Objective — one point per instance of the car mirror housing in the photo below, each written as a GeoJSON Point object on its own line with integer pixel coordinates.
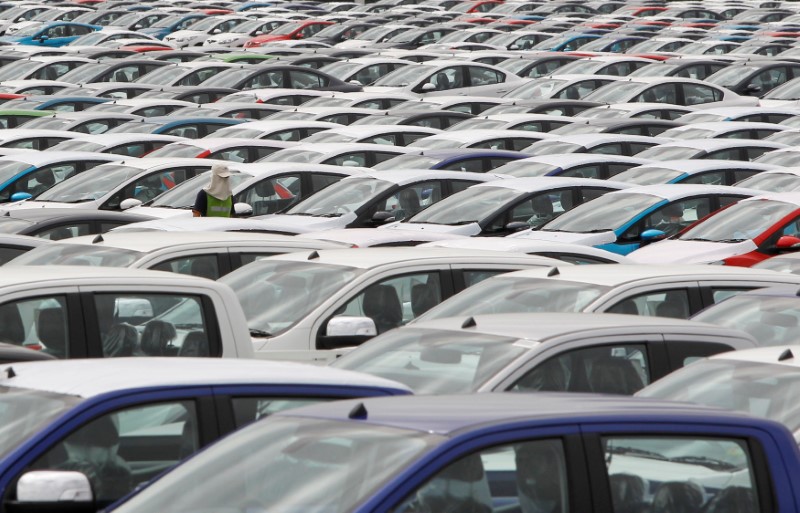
{"type": "Point", "coordinates": [652, 235]}
{"type": "Point", "coordinates": [20, 196]}
{"type": "Point", "coordinates": [129, 203]}
{"type": "Point", "coordinates": [242, 209]}
{"type": "Point", "coordinates": [787, 242]}
{"type": "Point", "coordinates": [382, 216]}
{"type": "Point", "coordinates": [53, 490]}
{"type": "Point", "coordinates": [347, 331]}
{"type": "Point", "coordinates": [428, 87]}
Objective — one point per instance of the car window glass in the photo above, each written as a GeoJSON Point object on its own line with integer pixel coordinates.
{"type": "Point", "coordinates": [413, 198]}
{"type": "Point", "coordinates": [303, 80]}
{"type": "Point", "coordinates": [389, 139]}
{"type": "Point", "coordinates": [9, 253]}
{"type": "Point", "coordinates": [204, 266]}
{"type": "Point", "coordinates": [472, 277]}
{"type": "Point", "coordinates": [40, 323]}
{"type": "Point", "coordinates": [249, 257]}
{"type": "Point", "coordinates": [664, 303]}
{"type": "Point", "coordinates": [232, 154]}
{"type": "Point", "coordinates": [695, 94]}
{"type": "Point", "coordinates": [472, 165]}
{"type": "Point", "coordinates": [587, 171]}
{"type": "Point", "coordinates": [286, 135]}
{"type": "Point", "coordinates": [152, 325]}
{"type": "Point", "coordinates": [768, 79]}
{"type": "Point", "coordinates": [265, 79]}
{"type": "Point", "coordinates": [710, 178]}
{"type": "Point", "coordinates": [662, 93]}
{"type": "Point", "coordinates": [479, 76]}
{"type": "Point", "coordinates": [618, 369]}
{"type": "Point", "coordinates": [639, 474]}
{"type": "Point", "coordinates": [677, 215]}
{"type": "Point", "coordinates": [270, 196]}
{"type": "Point", "coordinates": [529, 476]}
{"type": "Point", "coordinates": [608, 149]}
{"type": "Point", "coordinates": [396, 301]}
{"type": "Point", "coordinates": [249, 409]}
{"type": "Point", "coordinates": [124, 449]}
{"type": "Point", "coordinates": [64, 231]}
{"type": "Point", "coordinates": [447, 78]}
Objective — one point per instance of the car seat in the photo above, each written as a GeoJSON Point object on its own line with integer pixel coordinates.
{"type": "Point", "coordinates": [547, 377]}
{"type": "Point", "coordinates": [627, 493]}
{"type": "Point", "coordinates": [157, 338]}
{"type": "Point", "coordinates": [610, 375]}
{"type": "Point", "coordinates": [677, 497]}
{"type": "Point", "coordinates": [204, 268]}
{"type": "Point", "coordinates": [11, 328]}
{"type": "Point", "coordinates": [51, 327]}
{"type": "Point", "coordinates": [195, 344]}
{"type": "Point", "coordinates": [382, 305]}
{"type": "Point", "coordinates": [733, 499]}
{"type": "Point", "coordinates": [539, 477]}
{"type": "Point", "coordinates": [461, 487]}
{"type": "Point", "coordinates": [121, 340]}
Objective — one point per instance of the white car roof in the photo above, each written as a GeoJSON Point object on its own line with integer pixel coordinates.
{"type": "Point", "coordinates": [155, 163]}
{"type": "Point", "coordinates": [545, 183]}
{"type": "Point", "coordinates": [92, 377]}
{"type": "Point", "coordinates": [725, 126]}
{"type": "Point", "coordinates": [122, 138]}
{"type": "Point", "coordinates": [521, 246]}
{"type": "Point", "coordinates": [714, 144]}
{"type": "Point", "coordinates": [40, 158]}
{"type": "Point", "coordinates": [600, 138]}
{"type": "Point", "coordinates": [367, 258]}
{"type": "Point", "coordinates": [271, 125]}
{"type": "Point", "coordinates": [786, 197]}
{"type": "Point", "coordinates": [691, 166]}
{"type": "Point", "coordinates": [369, 237]}
{"type": "Point", "coordinates": [403, 176]}
{"type": "Point", "coordinates": [217, 143]}
{"type": "Point", "coordinates": [636, 107]}
{"type": "Point", "coordinates": [33, 276]}
{"type": "Point", "coordinates": [774, 355]}
{"type": "Point", "coordinates": [674, 191]}
{"type": "Point", "coordinates": [479, 134]}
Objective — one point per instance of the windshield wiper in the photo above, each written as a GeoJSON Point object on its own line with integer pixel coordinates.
{"type": "Point", "coordinates": [704, 461]}
{"type": "Point", "coordinates": [255, 332]}
{"type": "Point", "coordinates": [327, 215]}
{"type": "Point", "coordinates": [699, 239]}
{"type": "Point", "coordinates": [731, 241]}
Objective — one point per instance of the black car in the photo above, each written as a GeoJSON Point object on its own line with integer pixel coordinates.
{"type": "Point", "coordinates": [553, 107]}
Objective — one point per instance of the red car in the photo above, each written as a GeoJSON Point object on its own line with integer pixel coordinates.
{"type": "Point", "coordinates": [295, 30]}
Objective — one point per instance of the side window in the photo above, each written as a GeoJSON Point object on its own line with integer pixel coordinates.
{"type": "Point", "coordinates": [727, 154]}
{"type": "Point", "coordinates": [204, 266]}
{"type": "Point", "coordinates": [6, 255]}
{"type": "Point", "coordinates": [270, 196]}
{"type": "Point", "coordinates": [249, 409]}
{"type": "Point", "coordinates": [320, 181]}
{"type": "Point", "coordinates": [388, 139]}
{"type": "Point", "coordinates": [473, 277]}
{"type": "Point", "coordinates": [710, 178]}
{"type": "Point", "coordinates": [767, 80]}
{"type": "Point", "coordinates": [676, 216]}
{"type": "Point", "coordinates": [396, 301]}
{"type": "Point", "coordinates": [663, 303]}
{"type": "Point", "coordinates": [664, 93]}
{"type": "Point", "coordinates": [645, 483]}
{"type": "Point", "coordinates": [447, 78]}
{"type": "Point", "coordinates": [621, 369]}
{"type": "Point", "coordinates": [124, 449]}
{"type": "Point", "coordinates": [303, 80]}
{"type": "Point", "coordinates": [459, 185]}
{"type": "Point", "coordinates": [65, 231]}
{"type": "Point", "coordinates": [264, 80]}
{"type": "Point", "coordinates": [286, 135]}
{"type": "Point", "coordinates": [133, 324]}
{"type": "Point", "coordinates": [39, 323]}
{"type": "Point", "coordinates": [42, 179]}
{"type": "Point", "coordinates": [472, 165]}
{"type": "Point", "coordinates": [608, 149]}
{"type": "Point", "coordinates": [588, 171]}
{"type": "Point", "coordinates": [410, 200]}
{"type": "Point", "coordinates": [537, 210]}
{"type": "Point", "coordinates": [529, 476]}
{"type": "Point", "coordinates": [349, 159]}
{"type": "Point", "coordinates": [695, 94]}
{"type": "Point", "coordinates": [149, 187]}
{"type": "Point", "coordinates": [483, 76]}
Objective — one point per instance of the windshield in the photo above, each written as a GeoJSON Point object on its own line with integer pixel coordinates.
{"type": "Point", "coordinates": [11, 168]}
{"type": "Point", "coordinates": [24, 412]}
{"type": "Point", "coordinates": [83, 73]}
{"type": "Point", "coordinates": [778, 158]}
{"type": "Point", "coordinates": [340, 69]}
{"type": "Point", "coordinates": [48, 123]}
{"type": "Point", "coordinates": [276, 294]}
{"type": "Point", "coordinates": [407, 162]}
{"type": "Point", "coordinates": [539, 88]}
{"type": "Point", "coordinates": [329, 137]}
{"type": "Point", "coordinates": [135, 127]}
{"type": "Point", "coordinates": [228, 77]}
{"type": "Point", "coordinates": [205, 24]}
{"type": "Point", "coordinates": [11, 225]}
{"type": "Point", "coordinates": [184, 194]}
{"type": "Point", "coordinates": [742, 221]}
{"type": "Point", "coordinates": [551, 147]}
{"type": "Point", "coordinates": [669, 153]}
{"type": "Point", "coordinates": [169, 21]}
{"type": "Point", "coordinates": [286, 464]}
{"type": "Point", "coordinates": [615, 92]}
{"type": "Point", "coordinates": [689, 133]}
{"type": "Point", "coordinates": [77, 254]}
{"type": "Point", "coordinates": [293, 155]}
{"type": "Point", "coordinates": [468, 206]}
{"type": "Point", "coordinates": [607, 212]}
{"type": "Point", "coordinates": [89, 185]}
{"type": "Point", "coordinates": [772, 182]}
{"type": "Point", "coordinates": [435, 361]}
{"type": "Point", "coordinates": [654, 70]}
{"type": "Point", "coordinates": [730, 76]}
{"type": "Point", "coordinates": [177, 150]}
{"type": "Point", "coordinates": [507, 294]}
{"type": "Point", "coordinates": [345, 196]}
{"type": "Point", "coordinates": [405, 76]}
{"type": "Point", "coordinates": [771, 320]}
{"type": "Point", "coordinates": [285, 29]}
{"type": "Point", "coordinates": [165, 75]}
{"type": "Point", "coordinates": [603, 112]}
{"type": "Point", "coordinates": [438, 143]}
{"type": "Point", "coordinates": [648, 175]}
{"type": "Point", "coordinates": [514, 65]}
{"type": "Point", "coordinates": [761, 389]}
{"type": "Point", "coordinates": [522, 169]}
{"type": "Point", "coordinates": [788, 91]}
{"type": "Point", "coordinates": [18, 69]}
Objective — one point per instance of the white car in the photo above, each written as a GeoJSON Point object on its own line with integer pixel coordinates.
{"type": "Point", "coordinates": [279, 130]}
{"type": "Point", "coordinates": [301, 305]}
{"type": "Point", "coordinates": [395, 135]}
{"type": "Point", "coordinates": [340, 154]}
{"type": "Point", "coordinates": [197, 32]}
{"type": "Point", "coordinates": [707, 171]}
{"type": "Point", "coordinates": [778, 179]}
{"type": "Point", "coordinates": [637, 110]}
{"type": "Point", "coordinates": [669, 90]}
{"type": "Point", "coordinates": [238, 35]}
{"type": "Point", "coordinates": [570, 253]}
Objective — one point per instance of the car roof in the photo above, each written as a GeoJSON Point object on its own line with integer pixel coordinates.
{"type": "Point", "coordinates": [36, 215]}
{"type": "Point", "coordinates": [40, 158]}
{"type": "Point", "coordinates": [673, 191]}
{"type": "Point", "coordinates": [774, 355]}
{"type": "Point", "coordinates": [92, 377]}
{"type": "Point", "coordinates": [698, 165]}
{"type": "Point", "coordinates": [564, 160]}
{"type": "Point", "coordinates": [366, 258]}
{"type": "Point", "coordinates": [520, 245]}
{"type": "Point", "coordinates": [34, 275]}
{"type": "Point", "coordinates": [546, 183]}
{"type": "Point", "coordinates": [451, 414]}
{"type": "Point", "coordinates": [715, 144]}
{"type": "Point", "coordinates": [787, 197]}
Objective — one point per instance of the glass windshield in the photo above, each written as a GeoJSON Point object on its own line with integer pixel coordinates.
{"type": "Point", "coordinates": [89, 185]}
{"type": "Point", "coordinates": [47, 123]}
{"type": "Point", "coordinates": [438, 143]}
{"type": "Point", "coordinates": [285, 29]}
{"type": "Point", "coordinates": [276, 294]}
{"type": "Point", "coordinates": [778, 158]}
{"type": "Point", "coordinates": [404, 76]}
{"type": "Point", "coordinates": [135, 127]}
{"type": "Point", "coordinates": [788, 91]}
{"type": "Point", "coordinates": [435, 361]}
{"type": "Point", "coordinates": [184, 194]}
{"type": "Point", "coordinates": [742, 221]}
{"type": "Point", "coordinates": [654, 70]}
{"type": "Point", "coordinates": [468, 206]}
{"type": "Point", "coordinates": [615, 92]}
{"type": "Point", "coordinates": [24, 412]}
{"type": "Point", "coordinates": [342, 197]}
{"type": "Point", "coordinates": [761, 389]}
{"type": "Point", "coordinates": [607, 212]}
{"type": "Point", "coordinates": [18, 69]}
{"type": "Point", "coordinates": [669, 153]}
{"type": "Point", "coordinates": [177, 150]}
{"type": "Point", "coordinates": [771, 320]}
{"type": "Point", "coordinates": [603, 112]}
{"type": "Point", "coordinates": [292, 155]}
{"type": "Point", "coordinates": [286, 464]}
{"type": "Point", "coordinates": [505, 294]}
{"type": "Point", "coordinates": [540, 88]}
{"type": "Point", "coordinates": [772, 182]}
{"type": "Point", "coordinates": [406, 162]}
{"type": "Point", "coordinates": [729, 76]}
{"type": "Point", "coordinates": [329, 137]}
{"type": "Point", "coordinates": [164, 75]}
{"type": "Point", "coordinates": [648, 175]}
{"type": "Point", "coordinates": [9, 169]}
{"type": "Point", "coordinates": [227, 77]}
{"type": "Point", "coordinates": [522, 169]}
{"type": "Point", "coordinates": [169, 20]}
{"type": "Point", "coordinates": [340, 69]}
{"type": "Point", "coordinates": [83, 73]}
{"type": "Point", "coordinates": [77, 254]}
{"type": "Point", "coordinates": [550, 147]}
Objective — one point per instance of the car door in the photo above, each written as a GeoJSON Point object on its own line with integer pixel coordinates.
{"type": "Point", "coordinates": [678, 300]}
{"type": "Point", "coordinates": [486, 81]}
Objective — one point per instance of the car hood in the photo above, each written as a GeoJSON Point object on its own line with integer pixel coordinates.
{"type": "Point", "coordinates": [22, 205]}
{"type": "Point", "coordinates": [284, 223]}
{"type": "Point", "coordinates": [689, 252]}
{"type": "Point", "coordinates": [461, 229]}
{"type": "Point", "coordinates": [587, 239]}
{"type": "Point", "coordinates": [160, 212]}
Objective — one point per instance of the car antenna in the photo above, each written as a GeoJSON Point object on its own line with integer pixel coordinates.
{"type": "Point", "coordinates": [469, 323]}
{"type": "Point", "coordinates": [97, 239]}
{"type": "Point", "coordinates": [553, 272]}
{"type": "Point", "coordinates": [786, 355]}
{"type": "Point", "coordinates": [314, 255]}
{"type": "Point", "coordinates": [10, 372]}
{"type": "Point", "coordinates": [359, 411]}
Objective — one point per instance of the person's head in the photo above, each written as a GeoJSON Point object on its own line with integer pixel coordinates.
{"type": "Point", "coordinates": [220, 171]}
{"type": "Point", "coordinates": [220, 186]}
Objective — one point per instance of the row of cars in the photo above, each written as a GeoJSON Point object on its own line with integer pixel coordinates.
{"type": "Point", "coordinates": [560, 205]}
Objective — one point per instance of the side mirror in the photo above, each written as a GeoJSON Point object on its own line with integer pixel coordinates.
{"type": "Point", "coordinates": [43, 38]}
{"type": "Point", "coordinates": [517, 226]}
{"type": "Point", "coordinates": [129, 203]}
{"type": "Point", "coordinates": [242, 209]}
{"type": "Point", "coordinates": [216, 31]}
{"type": "Point", "coordinates": [53, 490]}
{"type": "Point", "coordinates": [20, 196]}
{"type": "Point", "coordinates": [355, 82]}
{"type": "Point", "coordinates": [346, 331]}
{"type": "Point", "coordinates": [258, 33]}
{"type": "Point", "coordinates": [788, 243]}
{"type": "Point", "coordinates": [426, 88]}
{"type": "Point", "coordinates": [382, 216]}
{"type": "Point", "coordinates": [752, 88]}
{"type": "Point", "coordinates": [652, 235]}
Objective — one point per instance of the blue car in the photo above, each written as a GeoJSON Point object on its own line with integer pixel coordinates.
{"type": "Point", "coordinates": [171, 24]}
{"type": "Point", "coordinates": [57, 33]}
{"type": "Point", "coordinates": [515, 453]}
{"type": "Point", "coordinates": [458, 159]}
{"type": "Point", "coordinates": [623, 221]}
{"type": "Point", "coordinates": [122, 421]}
